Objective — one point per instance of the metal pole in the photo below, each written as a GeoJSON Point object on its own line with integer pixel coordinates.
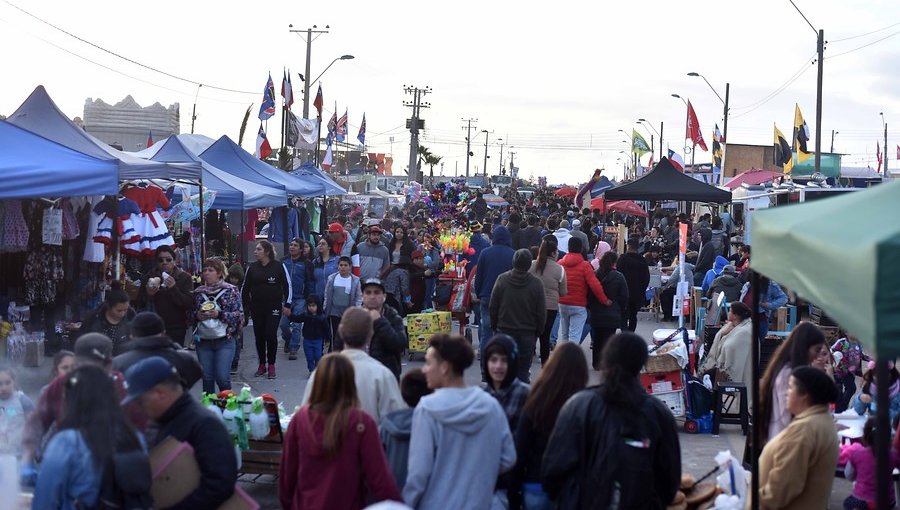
{"type": "Point", "coordinates": [885, 157]}
{"type": "Point", "coordinates": [832, 141]}
{"type": "Point", "coordinates": [412, 174]}
{"type": "Point", "coordinates": [725, 137]}
{"type": "Point", "coordinates": [882, 434]}
{"type": "Point", "coordinates": [821, 49]}
{"type": "Point", "coordinates": [486, 135]}
{"type": "Point", "coordinates": [202, 225]}
{"type": "Point", "coordinates": [754, 428]}
{"type": "Point", "coordinates": [307, 75]}
{"type": "Point", "coordinates": [661, 139]}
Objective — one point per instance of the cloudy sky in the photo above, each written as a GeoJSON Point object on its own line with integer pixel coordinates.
{"type": "Point", "coordinates": [556, 81]}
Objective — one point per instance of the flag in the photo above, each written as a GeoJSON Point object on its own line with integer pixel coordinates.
{"type": "Point", "coordinates": [301, 133]}
{"type": "Point", "coordinates": [150, 140]}
{"type": "Point", "coordinates": [319, 101]}
{"type": "Point", "coordinates": [676, 160]}
{"type": "Point", "coordinates": [332, 126]}
{"type": "Point", "coordinates": [898, 151]}
{"type": "Point", "coordinates": [638, 144]}
{"type": "Point", "coordinates": [692, 129]}
{"type": "Point", "coordinates": [717, 149]}
{"type": "Point", "coordinates": [326, 161]}
{"type": "Point", "coordinates": [287, 91]}
{"type": "Point", "coordinates": [586, 187]}
{"type": "Point", "coordinates": [878, 155]}
{"type": "Point", "coordinates": [340, 131]}
{"type": "Point", "coordinates": [267, 108]}
{"type": "Point", "coordinates": [361, 136]}
{"type": "Point", "coordinates": [801, 135]}
{"type": "Point", "coordinates": [783, 156]}
{"type": "Point", "coordinates": [650, 163]}
{"type": "Point", "coordinates": [717, 135]}
{"type": "Point", "coordinates": [263, 149]}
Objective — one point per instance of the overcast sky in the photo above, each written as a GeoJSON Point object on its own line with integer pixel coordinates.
{"type": "Point", "coordinates": [556, 80]}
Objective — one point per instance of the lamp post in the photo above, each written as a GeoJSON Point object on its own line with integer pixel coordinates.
{"type": "Point", "coordinates": [487, 134]}
{"type": "Point", "coordinates": [725, 126]}
{"type": "Point", "coordinates": [645, 123]}
{"type": "Point", "coordinates": [885, 153]}
{"type": "Point", "coordinates": [500, 172]}
{"type": "Point", "coordinates": [684, 148]}
{"type": "Point", "coordinates": [833, 132]}
{"type": "Point", "coordinates": [342, 57]}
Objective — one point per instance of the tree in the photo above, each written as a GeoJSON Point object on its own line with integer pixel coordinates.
{"type": "Point", "coordinates": [430, 159]}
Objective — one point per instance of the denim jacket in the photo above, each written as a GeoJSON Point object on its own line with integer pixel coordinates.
{"type": "Point", "coordinates": [775, 298]}
{"type": "Point", "coordinates": [67, 474]}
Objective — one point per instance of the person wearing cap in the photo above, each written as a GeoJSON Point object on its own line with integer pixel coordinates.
{"type": "Point", "coordinates": [370, 257]}
{"type": "Point", "coordinates": [577, 232]}
{"type": "Point", "coordinates": [517, 308]}
{"type": "Point", "coordinates": [420, 277]}
{"type": "Point", "coordinates": [153, 383]}
{"type": "Point", "coordinates": [389, 338]}
{"type": "Point", "coordinates": [168, 291]}
{"type": "Point", "coordinates": [339, 238]}
{"type": "Point", "coordinates": [478, 243]}
{"type": "Point", "coordinates": [148, 338]}
{"type": "Point", "coordinates": [728, 283]}
{"type": "Point", "coordinates": [492, 262]}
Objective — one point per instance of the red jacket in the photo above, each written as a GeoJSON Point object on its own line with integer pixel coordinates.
{"type": "Point", "coordinates": [579, 277]}
{"type": "Point", "coordinates": [309, 480]}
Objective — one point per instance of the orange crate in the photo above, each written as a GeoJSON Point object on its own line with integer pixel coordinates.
{"type": "Point", "coordinates": [658, 382]}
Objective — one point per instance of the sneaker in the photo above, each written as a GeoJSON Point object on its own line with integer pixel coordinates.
{"type": "Point", "coordinates": [287, 347]}
{"type": "Point", "coordinates": [261, 371]}
{"type": "Point", "coordinates": [272, 371]}
{"type": "Point", "coordinates": [292, 355]}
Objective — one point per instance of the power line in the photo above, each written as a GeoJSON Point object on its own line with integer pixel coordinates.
{"type": "Point", "coordinates": [864, 45]}
{"type": "Point", "coordinates": [774, 93]}
{"type": "Point", "coordinates": [863, 35]}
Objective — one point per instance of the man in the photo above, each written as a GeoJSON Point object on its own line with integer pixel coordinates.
{"type": "Point", "coordinates": [637, 274]}
{"type": "Point", "coordinates": [706, 258]}
{"type": "Point", "coordinates": [561, 232]}
{"type": "Point", "coordinates": [531, 235]}
{"type": "Point", "coordinates": [154, 384]}
{"type": "Point", "coordinates": [389, 340]}
{"type": "Point", "coordinates": [376, 386]}
{"type": "Point", "coordinates": [479, 206]}
{"type": "Point", "coordinates": [492, 263]}
{"type": "Point", "coordinates": [460, 440]}
{"type": "Point", "coordinates": [478, 242]}
{"type": "Point", "coordinates": [341, 239]}
{"type": "Point", "coordinates": [168, 291]}
{"type": "Point", "coordinates": [148, 339]}
{"type": "Point", "coordinates": [301, 280]}
{"type": "Point", "coordinates": [577, 232]}
{"type": "Point", "coordinates": [728, 283]}
{"type": "Point", "coordinates": [518, 308]}
{"type": "Point", "coordinates": [514, 225]}
{"type": "Point", "coordinates": [371, 257]}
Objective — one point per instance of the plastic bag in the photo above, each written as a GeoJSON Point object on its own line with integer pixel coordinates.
{"type": "Point", "coordinates": [734, 477]}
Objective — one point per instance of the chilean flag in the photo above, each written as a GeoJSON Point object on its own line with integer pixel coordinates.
{"type": "Point", "coordinates": [263, 149]}
{"type": "Point", "coordinates": [150, 139]}
{"type": "Point", "coordinates": [676, 160]}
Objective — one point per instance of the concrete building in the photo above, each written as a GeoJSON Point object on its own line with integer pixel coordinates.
{"type": "Point", "coordinates": [127, 124]}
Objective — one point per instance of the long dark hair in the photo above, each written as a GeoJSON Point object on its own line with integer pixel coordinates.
{"type": "Point", "coordinates": [565, 373]}
{"type": "Point", "coordinates": [606, 264]}
{"type": "Point", "coordinates": [94, 411]}
{"type": "Point", "coordinates": [623, 357]}
{"type": "Point", "coordinates": [333, 396]}
{"type": "Point", "coordinates": [549, 244]}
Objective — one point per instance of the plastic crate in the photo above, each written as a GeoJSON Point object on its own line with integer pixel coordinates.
{"type": "Point", "coordinates": [674, 400]}
{"type": "Point", "coordinates": [662, 382]}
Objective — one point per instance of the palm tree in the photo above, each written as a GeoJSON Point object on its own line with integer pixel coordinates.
{"type": "Point", "coordinates": [430, 159]}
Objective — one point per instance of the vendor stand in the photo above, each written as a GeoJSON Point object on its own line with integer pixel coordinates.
{"type": "Point", "coordinates": [456, 245]}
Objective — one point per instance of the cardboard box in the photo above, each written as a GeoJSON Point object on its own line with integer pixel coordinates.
{"type": "Point", "coordinates": [419, 343]}
{"type": "Point", "coordinates": [781, 319]}
{"type": "Point", "coordinates": [34, 354]}
{"type": "Point", "coordinates": [427, 323]}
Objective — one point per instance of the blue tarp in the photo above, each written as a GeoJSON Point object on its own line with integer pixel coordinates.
{"type": "Point", "coordinates": [229, 156]}
{"type": "Point", "coordinates": [32, 166]}
{"type": "Point", "coordinates": [308, 169]}
{"type": "Point", "coordinates": [232, 193]}
{"type": "Point", "coordinates": [40, 115]}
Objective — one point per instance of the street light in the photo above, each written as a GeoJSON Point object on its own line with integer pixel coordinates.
{"type": "Point", "coordinates": [725, 126]}
{"type": "Point", "coordinates": [682, 99]}
{"type": "Point", "coordinates": [342, 57]}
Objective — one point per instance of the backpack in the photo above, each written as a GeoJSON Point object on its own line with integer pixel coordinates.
{"type": "Point", "coordinates": [125, 484]}
{"type": "Point", "coordinates": [212, 328]}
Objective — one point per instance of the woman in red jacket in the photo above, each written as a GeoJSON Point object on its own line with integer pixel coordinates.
{"type": "Point", "coordinates": [573, 306]}
{"type": "Point", "coordinates": [332, 455]}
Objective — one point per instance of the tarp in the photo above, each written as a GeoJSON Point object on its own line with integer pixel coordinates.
{"type": "Point", "coordinates": [841, 254]}
{"type": "Point", "coordinates": [308, 169]}
{"type": "Point", "coordinates": [232, 193]}
{"type": "Point", "coordinates": [40, 115]}
{"type": "Point", "coordinates": [752, 177]}
{"type": "Point", "coordinates": [32, 166]}
{"type": "Point", "coordinates": [229, 156]}
{"type": "Point", "coordinates": [665, 182]}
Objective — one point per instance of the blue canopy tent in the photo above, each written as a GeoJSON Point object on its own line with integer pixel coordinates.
{"type": "Point", "coordinates": [40, 115]}
{"type": "Point", "coordinates": [232, 193]}
{"type": "Point", "coordinates": [230, 157]}
{"type": "Point", "coordinates": [32, 166]}
{"type": "Point", "coordinates": [310, 170]}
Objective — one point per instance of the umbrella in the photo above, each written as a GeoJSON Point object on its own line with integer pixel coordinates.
{"type": "Point", "coordinates": [494, 200]}
{"type": "Point", "coordinates": [621, 206]}
{"type": "Point", "coordinates": [752, 176]}
{"type": "Point", "coordinates": [566, 192]}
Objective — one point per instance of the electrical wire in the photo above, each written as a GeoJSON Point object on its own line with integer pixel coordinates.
{"type": "Point", "coordinates": [863, 46]}
{"type": "Point", "coordinates": [863, 35]}
{"type": "Point", "coordinates": [753, 106]}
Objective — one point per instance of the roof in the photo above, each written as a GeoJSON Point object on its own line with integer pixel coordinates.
{"type": "Point", "coordinates": [665, 182]}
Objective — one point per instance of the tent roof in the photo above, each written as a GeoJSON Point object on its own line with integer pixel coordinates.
{"type": "Point", "coordinates": [232, 192]}
{"type": "Point", "coordinates": [665, 182]}
{"type": "Point", "coordinates": [823, 251]}
{"type": "Point", "coordinates": [229, 156]}
{"type": "Point", "coordinates": [40, 115]}
{"type": "Point", "coordinates": [331, 188]}
{"type": "Point", "coordinates": [32, 166]}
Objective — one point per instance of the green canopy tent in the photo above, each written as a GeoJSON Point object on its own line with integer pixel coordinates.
{"type": "Point", "coordinates": [843, 255]}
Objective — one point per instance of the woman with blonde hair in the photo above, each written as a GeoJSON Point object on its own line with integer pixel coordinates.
{"type": "Point", "coordinates": [332, 456]}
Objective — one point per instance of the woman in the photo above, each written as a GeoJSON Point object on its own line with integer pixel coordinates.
{"type": "Point", "coordinates": [112, 318]}
{"type": "Point", "coordinates": [396, 285]}
{"type": "Point", "coordinates": [63, 363]}
{"type": "Point", "coordinates": [796, 468]}
{"type": "Point", "coordinates": [605, 320]}
{"type": "Point", "coordinates": [324, 265]}
{"type": "Point", "coordinates": [332, 456]}
{"type": "Point", "coordinates": [219, 315]}
{"type": "Point", "coordinates": [729, 356]}
{"type": "Point", "coordinates": [341, 292]}
{"type": "Point", "coordinates": [93, 435]}
{"type": "Point", "coordinates": [602, 247]}
{"type": "Point", "coordinates": [266, 295]}
{"type": "Point", "coordinates": [580, 280]}
{"type": "Point", "coordinates": [300, 274]}
{"type": "Point", "coordinates": [553, 277]}
{"type": "Point", "coordinates": [804, 346]}
{"type": "Point", "coordinates": [434, 262]}
{"type": "Point", "coordinates": [167, 290]}
{"type": "Point", "coordinates": [401, 245]}
{"type": "Point", "coordinates": [564, 374]}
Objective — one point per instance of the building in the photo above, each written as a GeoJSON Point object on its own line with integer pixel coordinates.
{"type": "Point", "coordinates": [127, 124]}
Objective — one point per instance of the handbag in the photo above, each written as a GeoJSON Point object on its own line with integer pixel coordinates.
{"type": "Point", "coordinates": [211, 329]}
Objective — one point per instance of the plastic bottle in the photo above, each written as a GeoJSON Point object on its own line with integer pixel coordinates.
{"type": "Point", "coordinates": [259, 420]}
{"type": "Point", "coordinates": [208, 403]}
{"type": "Point", "coordinates": [241, 425]}
{"type": "Point", "coordinates": [230, 417]}
{"type": "Point", "coordinates": [245, 398]}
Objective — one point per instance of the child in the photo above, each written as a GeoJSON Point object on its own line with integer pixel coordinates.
{"type": "Point", "coordinates": [396, 426]}
{"type": "Point", "coordinates": [14, 410]}
{"type": "Point", "coordinates": [63, 363]}
{"type": "Point", "coordinates": [316, 329]}
{"type": "Point", "coordinates": [865, 401]}
{"type": "Point", "coordinates": [848, 366]}
{"type": "Point", "coordinates": [236, 278]}
{"type": "Point", "coordinates": [861, 469]}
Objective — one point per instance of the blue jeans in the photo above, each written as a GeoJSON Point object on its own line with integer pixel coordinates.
{"type": "Point", "coordinates": [312, 349]}
{"type": "Point", "coordinates": [290, 331]}
{"type": "Point", "coordinates": [485, 332]}
{"type": "Point", "coordinates": [534, 498]}
{"type": "Point", "coordinates": [571, 322]}
{"type": "Point", "coordinates": [215, 357]}
{"type": "Point", "coordinates": [554, 331]}
{"type": "Point", "coordinates": [430, 284]}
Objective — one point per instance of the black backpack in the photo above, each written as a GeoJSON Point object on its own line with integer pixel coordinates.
{"type": "Point", "coordinates": [125, 484]}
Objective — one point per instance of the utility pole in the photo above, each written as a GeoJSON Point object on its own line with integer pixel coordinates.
{"type": "Point", "coordinates": [414, 124]}
{"type": "Point", "coordinates": [724, 137]}
{"type": "Point", "coordinates": [820, 44]}
{"type": "Point", "coordinates": [310, 33]}
{"type": "Point", "coordinates": [885, 156]}
{"type": "Point", "coordinates": [501, 156]}
{"type": "Point", "coordinates": [194, 113]}
{"type": "Point", "coordinates": [512, 162]}
{"type": "Point", "coordinates": [468, 128]}
{"type": "Point", "coordinates": [833, 132]}
{"type": "Point", "coordinates": [486, 135]}
{"type": "Point", "coordinates": [661, 140]}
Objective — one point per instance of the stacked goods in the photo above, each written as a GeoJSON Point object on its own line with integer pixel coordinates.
{"type": "Point", "coordinates": [421, 326]}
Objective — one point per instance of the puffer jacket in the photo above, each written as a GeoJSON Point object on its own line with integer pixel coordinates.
{"type": "Point", "coordinates": [612, 316]}
{"type": "Point", "coordinates": [579, 278]}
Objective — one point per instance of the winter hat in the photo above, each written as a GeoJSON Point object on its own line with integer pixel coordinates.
{"type": "Point", "coordinates": [147, 324]}
{"type": "Point", "coordinates": [729, 269]}
{"type": "Point", "coordinates": [522, 259]}
{"type": "Point", "coordinates": [502, 344]}
{"type": "Point", "coordinates": [564, 223]}
{"type": "Point", "coordinates": [576, 223]}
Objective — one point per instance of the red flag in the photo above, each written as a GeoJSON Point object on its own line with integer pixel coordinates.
{"type": "Point", "coordinates": [263, 149]}
{"type": "Point", "coordinates": [878, 155]}
{"type": "Point", "coordinates": [150, 141]}
{"type": "Point", "coordinates": [693, 128]}
{"type": "Point", "coordinates": [319, 101]}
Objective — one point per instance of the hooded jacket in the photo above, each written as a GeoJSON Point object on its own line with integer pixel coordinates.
{"type": "Point", "coordinates": [160, 345]}
{"type": "Point", "coordinates": [395, 429]}
{"type": "Point", "coordinates": [518, 303]}
{"type": "Point", "coordinates": [707, 255]}
{"type": "Point", "coordinates": [493, 262]}
{"type": "Point", "coordinates": [718, 267]}
{"type": "Point", "coordinates": [727, 283]}
{"type": "Point", "coordinates": [616, 289]}
{"type": "Point", "coordinates": [636, 272]}
{"type": "Point", "coordinates": [512, 392]}
{"type": "Point", "coordinates": [478, 243]}
{"type": "Point", "coordinates": [460, 444]}
{"type": "Point", "coordinates": [580, 279]}
{"type": "Point", "coordinates": [389, 340]}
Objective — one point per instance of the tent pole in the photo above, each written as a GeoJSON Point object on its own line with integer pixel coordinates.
{"type": "Point", "coordinates": [754, 428]}
{"type": "Point", "coordinates": [882, 434]}
{"type": "Point", "coordinates": [202, 226]}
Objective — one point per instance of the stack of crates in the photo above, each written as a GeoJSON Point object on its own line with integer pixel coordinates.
{"type": "Point", "coordinates": [421, 326]}
{"type": "Point", "coordinates": [662, 378]}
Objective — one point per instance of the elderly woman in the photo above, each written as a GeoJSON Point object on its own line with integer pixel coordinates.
{"type": "Point", "coordinates": [220, 316]}
{"type": "Point", "coordinates": [730, 352]}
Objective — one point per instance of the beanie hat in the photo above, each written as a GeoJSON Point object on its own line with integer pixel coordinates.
{"type": "Point", "coordinates": [522, 259]}
{"type": "Point", "coordinates": [147, 324]}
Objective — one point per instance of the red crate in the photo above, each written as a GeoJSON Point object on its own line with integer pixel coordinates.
{"type": "Point", "coordinates": [648, 380]}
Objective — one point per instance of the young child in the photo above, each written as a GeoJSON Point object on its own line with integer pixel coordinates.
{"type": "Point", "coordinates": [865, 401]}
{"type": "Point", "coordinates": [63, 363]}
{"type": "Point", "coordinates": [396, 427]}
{"type": "Point", "coordinates": [848, 355]}
{"type": "Point", "coordinates": [14, 409]}
{"type": "Point", "coordinates": [861, 468]}
{"type": "Point", "coordinates": [316, 329]}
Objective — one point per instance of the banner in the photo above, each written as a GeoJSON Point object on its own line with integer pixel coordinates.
{"type": "Point", "coordinates": [52, 228]}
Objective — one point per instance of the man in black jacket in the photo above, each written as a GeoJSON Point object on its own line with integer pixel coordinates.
{"type": "Point", "coordinates": [389, 341]}
{"type": "Point", "coordinates": [154, 383]}
{"type": "Point", "coordinates": [148, 339]}
{"type": "Point", "coordinates": [707, 256]}
{"type": "Point", "coordinates": [531, 235]}
{"type": "Point", "coordinates": [634, 268]}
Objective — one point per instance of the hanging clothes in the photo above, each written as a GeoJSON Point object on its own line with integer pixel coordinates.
{"type": "Point", "coordinates": [303, 223]}
{"type": "Point", "coordinates": [15, 228]}
{"type": "Point", "coordinates": [147, 222]}
{"type": "Point", "coordinates": [250, 228]}
{"type": "Point", "coordinates": [314, 210]}
{"type": "Point", "coordinates": [116, 215]}
{"type": "Point", "coordinates": [71, 230]}
{"type": "Point", "coordinates": [277, 220]}
{"type": "Point", "coordinates": [93, 251]}
{"type": "Point", "coordinates": [43, 271]}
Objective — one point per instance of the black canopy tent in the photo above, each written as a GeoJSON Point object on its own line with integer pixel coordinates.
{"type": "Point", "coordinates": [665, 182]}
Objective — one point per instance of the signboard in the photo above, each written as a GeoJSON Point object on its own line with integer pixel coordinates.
{"type": "Point", "coordinates": [52, 228]}
{"type": "Point", "coordinates": [377, 205]}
